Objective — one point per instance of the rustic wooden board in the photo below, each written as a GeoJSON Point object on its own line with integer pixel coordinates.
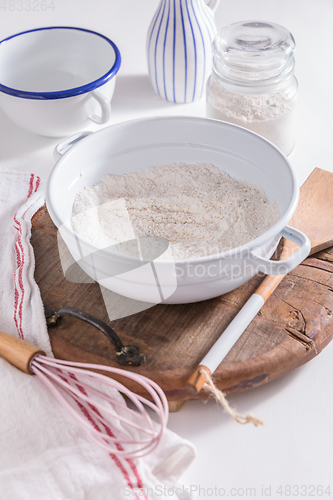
{"type": "Point", "coordinates": [294, 325]}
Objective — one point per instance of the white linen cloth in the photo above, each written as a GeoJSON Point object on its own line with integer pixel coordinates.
{"type": "Point", "coordinates": [43, 453]}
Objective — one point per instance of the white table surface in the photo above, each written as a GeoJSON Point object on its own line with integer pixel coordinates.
{"type": "Point", "coordinates": [294, 449]}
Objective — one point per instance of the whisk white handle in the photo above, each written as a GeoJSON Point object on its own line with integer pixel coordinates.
{"type": "Point", "coordinates": [18, 352]}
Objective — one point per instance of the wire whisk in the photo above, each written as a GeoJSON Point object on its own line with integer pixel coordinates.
{"type": "Point", "coordinates": [102, 414]}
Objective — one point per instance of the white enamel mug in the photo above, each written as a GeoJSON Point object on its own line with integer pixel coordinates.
{"type": "Point", "coordinates": [56, 80]}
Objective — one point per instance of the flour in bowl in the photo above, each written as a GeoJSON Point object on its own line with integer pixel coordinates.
{"type": "Point", "coordinates": [199, 209]}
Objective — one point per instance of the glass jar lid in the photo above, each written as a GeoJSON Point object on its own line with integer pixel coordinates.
{"type": "Point", "coordinates": [254, 53]}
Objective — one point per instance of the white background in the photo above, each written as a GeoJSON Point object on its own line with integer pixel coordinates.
{"type": "Point", "coordinates": [295, 445]}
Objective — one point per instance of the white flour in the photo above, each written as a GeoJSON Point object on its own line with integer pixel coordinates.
{"type": "Point", "coordinates": [271, 115]}
{"type": "Point", "coordinates": [199, 209]}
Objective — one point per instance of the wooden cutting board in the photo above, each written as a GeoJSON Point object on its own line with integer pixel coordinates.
{"type": "Point", "coordinates": [293, 326]}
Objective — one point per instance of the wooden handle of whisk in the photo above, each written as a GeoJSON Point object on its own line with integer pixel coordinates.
{"type": "Point", "coordinates": [18, 352]}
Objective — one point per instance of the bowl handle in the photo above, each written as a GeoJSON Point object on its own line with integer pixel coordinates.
{"type": "Point", "coordinates": [284, 266]}
{"type": "Point", "coordinates": [67, 143]}
{"type": "Point", "coordinates": [105, 108]}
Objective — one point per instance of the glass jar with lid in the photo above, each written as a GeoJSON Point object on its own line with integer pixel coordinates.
{"type": "Point", "coordinates": [253, 83]}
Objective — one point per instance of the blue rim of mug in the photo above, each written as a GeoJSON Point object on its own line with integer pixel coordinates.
{"type": "Point", "coordinates": [88, 87]}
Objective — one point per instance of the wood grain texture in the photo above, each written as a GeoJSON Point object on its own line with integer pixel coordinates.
{"type": "Point", "coordinates": [313, 215]}
{"type": "Point", "coordinates": [294, 325]}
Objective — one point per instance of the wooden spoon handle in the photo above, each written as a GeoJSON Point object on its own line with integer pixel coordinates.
{"type": "Point", "coordinates": [18, 352]}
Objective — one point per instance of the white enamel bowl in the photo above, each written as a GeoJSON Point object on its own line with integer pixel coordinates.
{"type": "Point", "coordinates": [138, 144]}
{"type": "Point", "coordinates": [57, 80]}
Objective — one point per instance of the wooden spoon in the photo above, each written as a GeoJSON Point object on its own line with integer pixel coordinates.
{"type": "Point", "coordinates": [313, 216]}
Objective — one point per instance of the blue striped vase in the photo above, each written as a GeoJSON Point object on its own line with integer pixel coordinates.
{"type": "Point", "coordinates": [179, 49]}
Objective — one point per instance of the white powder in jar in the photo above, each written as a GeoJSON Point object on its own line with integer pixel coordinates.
{"type": "Point", "coordinates": [271, 115]}
{"type": "Point", "coordinates": [199, 209]}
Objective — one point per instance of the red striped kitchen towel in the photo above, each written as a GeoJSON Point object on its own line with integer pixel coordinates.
{"type": "Point", "coordinates": [44, 454]}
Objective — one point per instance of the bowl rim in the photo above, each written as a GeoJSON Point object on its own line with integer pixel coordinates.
{"type": "Point", "coordinates": [238, 252]}
{"type": "Point", "coordinates": [61, 94]}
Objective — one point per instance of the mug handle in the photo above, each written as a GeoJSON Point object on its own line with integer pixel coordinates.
{"type": "Point", "coordinates": [213, 4]}
{"type": "Point", "coordinates": [67, 143]}
{"type": "Point", "coordinates": [275, 267]}
{"type": "Point", "coordinates": [105, 108]}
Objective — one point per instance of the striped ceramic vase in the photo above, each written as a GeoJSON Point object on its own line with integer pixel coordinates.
{"type": "Point", "coordinates": [179, 48]}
